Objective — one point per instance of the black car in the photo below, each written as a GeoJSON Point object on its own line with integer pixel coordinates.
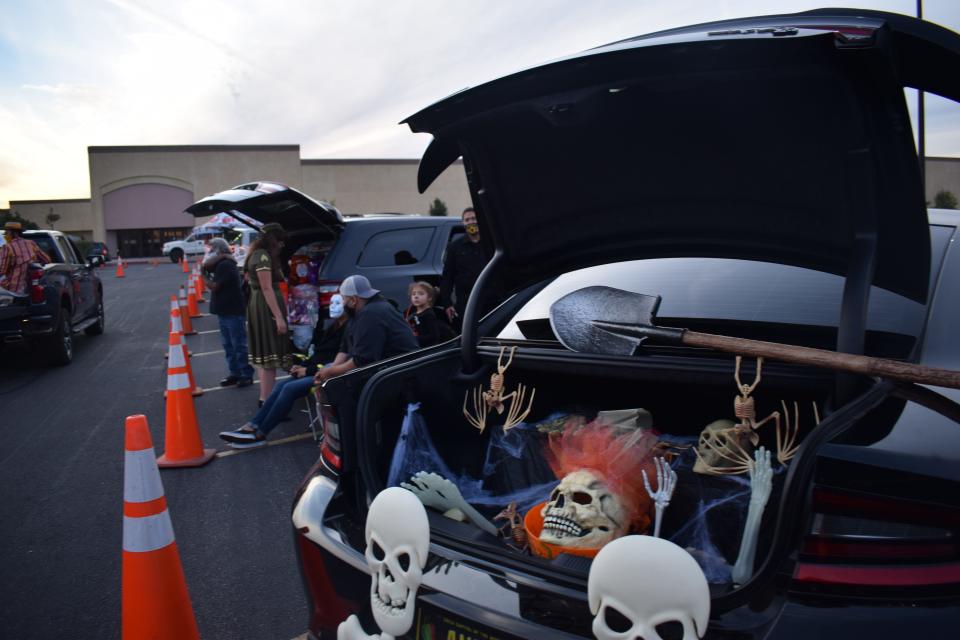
{"type": "Point", "coordinates": [391, 250]}
{"type": "Point", "coordinates": [760, 175]}
{"type": "Point", "coordinates": [99, 249]}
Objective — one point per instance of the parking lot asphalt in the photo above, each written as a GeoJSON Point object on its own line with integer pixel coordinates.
{"type": "Point", "coordinates": [61, 481]}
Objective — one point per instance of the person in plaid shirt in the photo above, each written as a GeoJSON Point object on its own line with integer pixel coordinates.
{"type": "Point", "coordinates": [16, 256]}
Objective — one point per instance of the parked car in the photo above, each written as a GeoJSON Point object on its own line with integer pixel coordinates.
{"type": "Point", "coordinates": [761, 176]}
{"type": "Point", "coordinates": [99, 249]}
{"type": "Point", "coordinates": [64, 297]}
{"type": "Point", "coordinates": [392, 250]}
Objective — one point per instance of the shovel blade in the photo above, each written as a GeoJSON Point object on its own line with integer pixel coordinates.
{"type": "Point", "coordinates": [572, 319]}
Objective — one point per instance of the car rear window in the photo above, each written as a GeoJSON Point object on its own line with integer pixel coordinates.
{"type": "Point", "coordinates": [397, 246]}
{"type": "Point", "coordinates": [46, 245]}
{"type": "Point", "coordinates": [739, 290]}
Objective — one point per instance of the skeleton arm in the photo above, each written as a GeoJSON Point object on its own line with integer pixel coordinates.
{"type": "Point", "coordinates": [441, 494]}
{"type": "Point", "coordinates": [350, 629]}
{"type": "Point", "coordinates": [761, 482]}
{"type": "Point", "coordinates": [666, 483]}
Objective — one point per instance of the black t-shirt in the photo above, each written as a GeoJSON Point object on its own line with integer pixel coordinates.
{"type": "Point", "coordinates": [379, 332]}
{"type": "Point", "coordinates": [461, 268]}
{"type": "Point", "coordinates": [227, 299]}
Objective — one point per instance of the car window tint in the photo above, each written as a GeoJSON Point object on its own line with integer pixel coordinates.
{"type": "Point", "coordinates": [46, 245]}
{"type": "Point", "coordinates": [76, 252]}
{"type": "Point", "coordinates": [66, 250]}
{"type": "Point", "coordinates": [739, 290]}
{"type": "Point", "coordinates": [396, 247]}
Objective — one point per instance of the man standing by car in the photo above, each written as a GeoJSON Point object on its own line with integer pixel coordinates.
{"type": "Point", "coordinates": [221, 275]}
{"type": "Point", "coordinates": [377, 331]}
{"type": "Point", "coordinates": [16, 256]}
{"type": "Point", "coordinates": [461, 267]}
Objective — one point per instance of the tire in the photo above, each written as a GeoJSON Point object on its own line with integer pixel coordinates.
{"type": "Point", "coordinates": [175, 255]}
{"type": "Point", "coordinates": [61, 343]}
{"type": "Point", "coordinates": [97, 329]}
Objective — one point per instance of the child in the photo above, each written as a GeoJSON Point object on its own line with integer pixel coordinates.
{"type": "Point", "coordinates": [422, 318]}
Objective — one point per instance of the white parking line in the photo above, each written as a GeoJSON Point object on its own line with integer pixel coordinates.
{"type": "Point", "coordinates": [218, 388]}
{"type": "Point", "coordinates": [207, 353]}
{"type": "Point", "coordinates": [200, 333]}
{"type": "Point", "coordinates": [270, 443]}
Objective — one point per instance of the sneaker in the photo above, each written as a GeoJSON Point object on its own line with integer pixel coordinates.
{"type": "Point", "coordinates": [247, 445]}
{"type": "Point", "coordinates": [242, 436]}
{"type": "Point", "coordinates": [244, 382]}
{"type": "Point", "coordinates": [229, 381]}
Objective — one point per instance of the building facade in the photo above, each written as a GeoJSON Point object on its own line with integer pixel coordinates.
{"type": "Point", "coordinates": [138, 194]}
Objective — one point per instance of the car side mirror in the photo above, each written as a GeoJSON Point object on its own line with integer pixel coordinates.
{"type": "Point", "coordinates": [94, 261]}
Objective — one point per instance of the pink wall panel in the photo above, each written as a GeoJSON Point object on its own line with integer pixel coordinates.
{"type": "Point", "coordinates": [147, 206]}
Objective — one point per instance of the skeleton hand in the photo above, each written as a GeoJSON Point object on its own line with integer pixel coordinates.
{"type": "Point", "coordinates": [441, 494]}
{"type": "Point", "coordinates": [350, 629]}
{"type": "Point", "coordinates": [666, 483]}
{"type": "Point", "coordinates": [761, 478]}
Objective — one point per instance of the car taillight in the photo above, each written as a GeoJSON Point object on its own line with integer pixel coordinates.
{"type": "Point", "coordinates": [326, 289]}
{"type": "Point", "coordinates": [35, 274]}
{"type": "Point", "coordinates": [861, 540]}
{"type": "Point", "coordinates": [330, 449]}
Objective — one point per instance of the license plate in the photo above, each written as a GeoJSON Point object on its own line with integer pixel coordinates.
{"type": "Point", "coordinates": [436, 624]}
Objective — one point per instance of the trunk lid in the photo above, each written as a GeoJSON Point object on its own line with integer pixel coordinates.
{"type": "Point", "coordinates": [783, 139]}
{"type": "Point", "coordinates": [267, 202]}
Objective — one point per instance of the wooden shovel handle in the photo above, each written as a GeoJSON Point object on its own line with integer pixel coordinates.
{"type": "Point", "coordinates": [866, 365]}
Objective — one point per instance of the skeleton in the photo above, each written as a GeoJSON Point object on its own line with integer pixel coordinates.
{"type": "Point", "coordinates": [583, 512]}
{"type": "Point", "coordinates": [398, 540]}
{"type": "Point", "coordinates": [627, 606]}
{"type": "Point", "coordinates": [495, 398]}
{"type": "Point", "coordinates": [437, 492]}
{"type": "Point", "coordinates": [666, 483]}
{"type": "Point", "coordinates": [513, 529]}
{"type": "Point", "coordinates": [761, 481]}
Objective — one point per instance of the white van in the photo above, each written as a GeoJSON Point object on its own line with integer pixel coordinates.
{"type": "Point", "coordinates": [195, 245]}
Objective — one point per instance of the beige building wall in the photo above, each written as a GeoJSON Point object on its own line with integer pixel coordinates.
{"type": "Point", "coordinates": [383, 186]}
{"type": "Point", "coordinates": [76, 215]}
{"type": "Point", "coordinates": [201, 170]}
{"type": "Point", "coordinates": [943, 174]}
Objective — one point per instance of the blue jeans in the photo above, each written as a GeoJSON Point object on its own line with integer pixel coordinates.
{"type": "Point", "coordinates": [281, 400]}
{"type": "Point", "coordinates": [233, 337]}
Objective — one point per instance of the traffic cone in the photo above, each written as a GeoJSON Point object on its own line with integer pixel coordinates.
{"type": "Point", "coordinates": [177, 339]}
{"type": "Point", "coordinates": [176, 324]}
{"type": "Point", "coordinates": [183, 263]}
{"type": "Point", "coordinates": [155, 602]}
{"type": "Point", "coordinates": [120, 267]}
{"type": "Point", "coordinates": [183, 443]}
{"type": "Point", "coordinates": [198, 287]}
{"type": "Point", "coordinates": [192, 301]}
{"type": "Point", "coordinates": [185, 314]}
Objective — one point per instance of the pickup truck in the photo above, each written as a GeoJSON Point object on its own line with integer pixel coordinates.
{"type": "Point", "coordinates": [194, 245]}
{"type": "Point", "coordinates": [63, 297]}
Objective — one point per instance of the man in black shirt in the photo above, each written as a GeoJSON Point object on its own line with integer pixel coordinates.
{"type": "Point", "coordinates": [222, 277]}
{"type": "Point", "coordinates": [378, 331]}
{"type": "Point", "coordinates": [461, 267]}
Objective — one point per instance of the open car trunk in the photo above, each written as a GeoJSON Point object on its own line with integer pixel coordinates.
{"type": "Point", "coordinates": [682, 394]}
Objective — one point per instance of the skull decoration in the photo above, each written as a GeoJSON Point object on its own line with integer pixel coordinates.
{"type": "Point", "coordinates": [719, 446]}
{"type": "Point", "coordinates": [625, 608]}
{"type": "Point", "coordinates": [398, 539]}
{"type": "Point", "coordinates": [583, 512]}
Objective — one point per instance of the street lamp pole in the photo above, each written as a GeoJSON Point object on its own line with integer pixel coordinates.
{"type": "Point", "coordinates": [921, 142]}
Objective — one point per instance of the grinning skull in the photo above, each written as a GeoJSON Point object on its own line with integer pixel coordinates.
{"type": "Point", "coordinates": [718, 439]}
{"type": "Point", "coordinates": [583, 513]}
{"type": "Point", "coordinates": [627, 607]}
{"type": "Point", "coordinates": [398, 540]}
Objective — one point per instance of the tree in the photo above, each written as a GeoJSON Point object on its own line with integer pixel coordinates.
{"type": "Point", "coordinates": [438, 208]}
{"type": "Point", "coordinates": [945, 200]}
{"type": "Point", "coordinates": [51, 218]}
{"type": "Point", "coordinates": [12, 216]}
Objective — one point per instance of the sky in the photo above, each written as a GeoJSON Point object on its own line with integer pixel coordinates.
{"type": "Point", "coordinates": [334, 76]}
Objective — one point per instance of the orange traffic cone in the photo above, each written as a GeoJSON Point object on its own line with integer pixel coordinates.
{"type": "Point", "coordinates": [197, 287]}
{"type": "Point", "coordinates": [155, 602]}
{"type": "Point", "coordinates": [177, 339]}
{"type": "Point", "coordinates": [176, 325]}
{"type": "Point", "coordinates": [184, 447]}
{"type": "Point", "coordinates": [192, 301]}
{"type": "Point", "coordinates": [120, 267]}
{"type": "Point", "coordinates": [185, 314]}
{"type": "Point", "coordinates": [183, 263]}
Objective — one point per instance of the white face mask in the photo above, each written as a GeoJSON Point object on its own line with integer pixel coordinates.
{"type": "Point", "coordinates": [336, 306]}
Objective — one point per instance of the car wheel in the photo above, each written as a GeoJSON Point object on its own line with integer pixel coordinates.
{"type": "Point", "coordinates": [61, 343]}
{"type": "Point", "coordinates": [97, 329]}
{"type": "Point", "coordinates": [175, 255]}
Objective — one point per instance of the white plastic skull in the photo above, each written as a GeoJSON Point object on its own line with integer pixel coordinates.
{"type": "Point", "coordinates": [398, 540]}
{"type": "Point", "coordinates": [626, 606]}
{"type": "Point", "coordinates": [583, 512]}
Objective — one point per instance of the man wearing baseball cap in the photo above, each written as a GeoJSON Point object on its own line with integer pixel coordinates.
{"type": "Point", "coordinates": [378, 331]}
{"type": "Point", "coordinates": [16, 256]}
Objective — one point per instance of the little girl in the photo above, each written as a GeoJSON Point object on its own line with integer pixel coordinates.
{"type": "Point", "coordinates": [420, 314]}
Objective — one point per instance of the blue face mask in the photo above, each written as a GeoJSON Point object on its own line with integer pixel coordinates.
{"type": "Point", "coordinates": [336, 306]}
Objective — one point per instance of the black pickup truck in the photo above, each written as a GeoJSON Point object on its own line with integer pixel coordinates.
{"type": "Point", "coordinates": [63, 297]}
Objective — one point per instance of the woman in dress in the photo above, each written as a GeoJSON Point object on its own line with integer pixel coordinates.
{"type": "Point", "coordinates": [266, 311]}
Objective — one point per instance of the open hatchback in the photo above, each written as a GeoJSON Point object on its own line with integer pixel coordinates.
{"type": "Point", "coordinates": [759, 175]}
